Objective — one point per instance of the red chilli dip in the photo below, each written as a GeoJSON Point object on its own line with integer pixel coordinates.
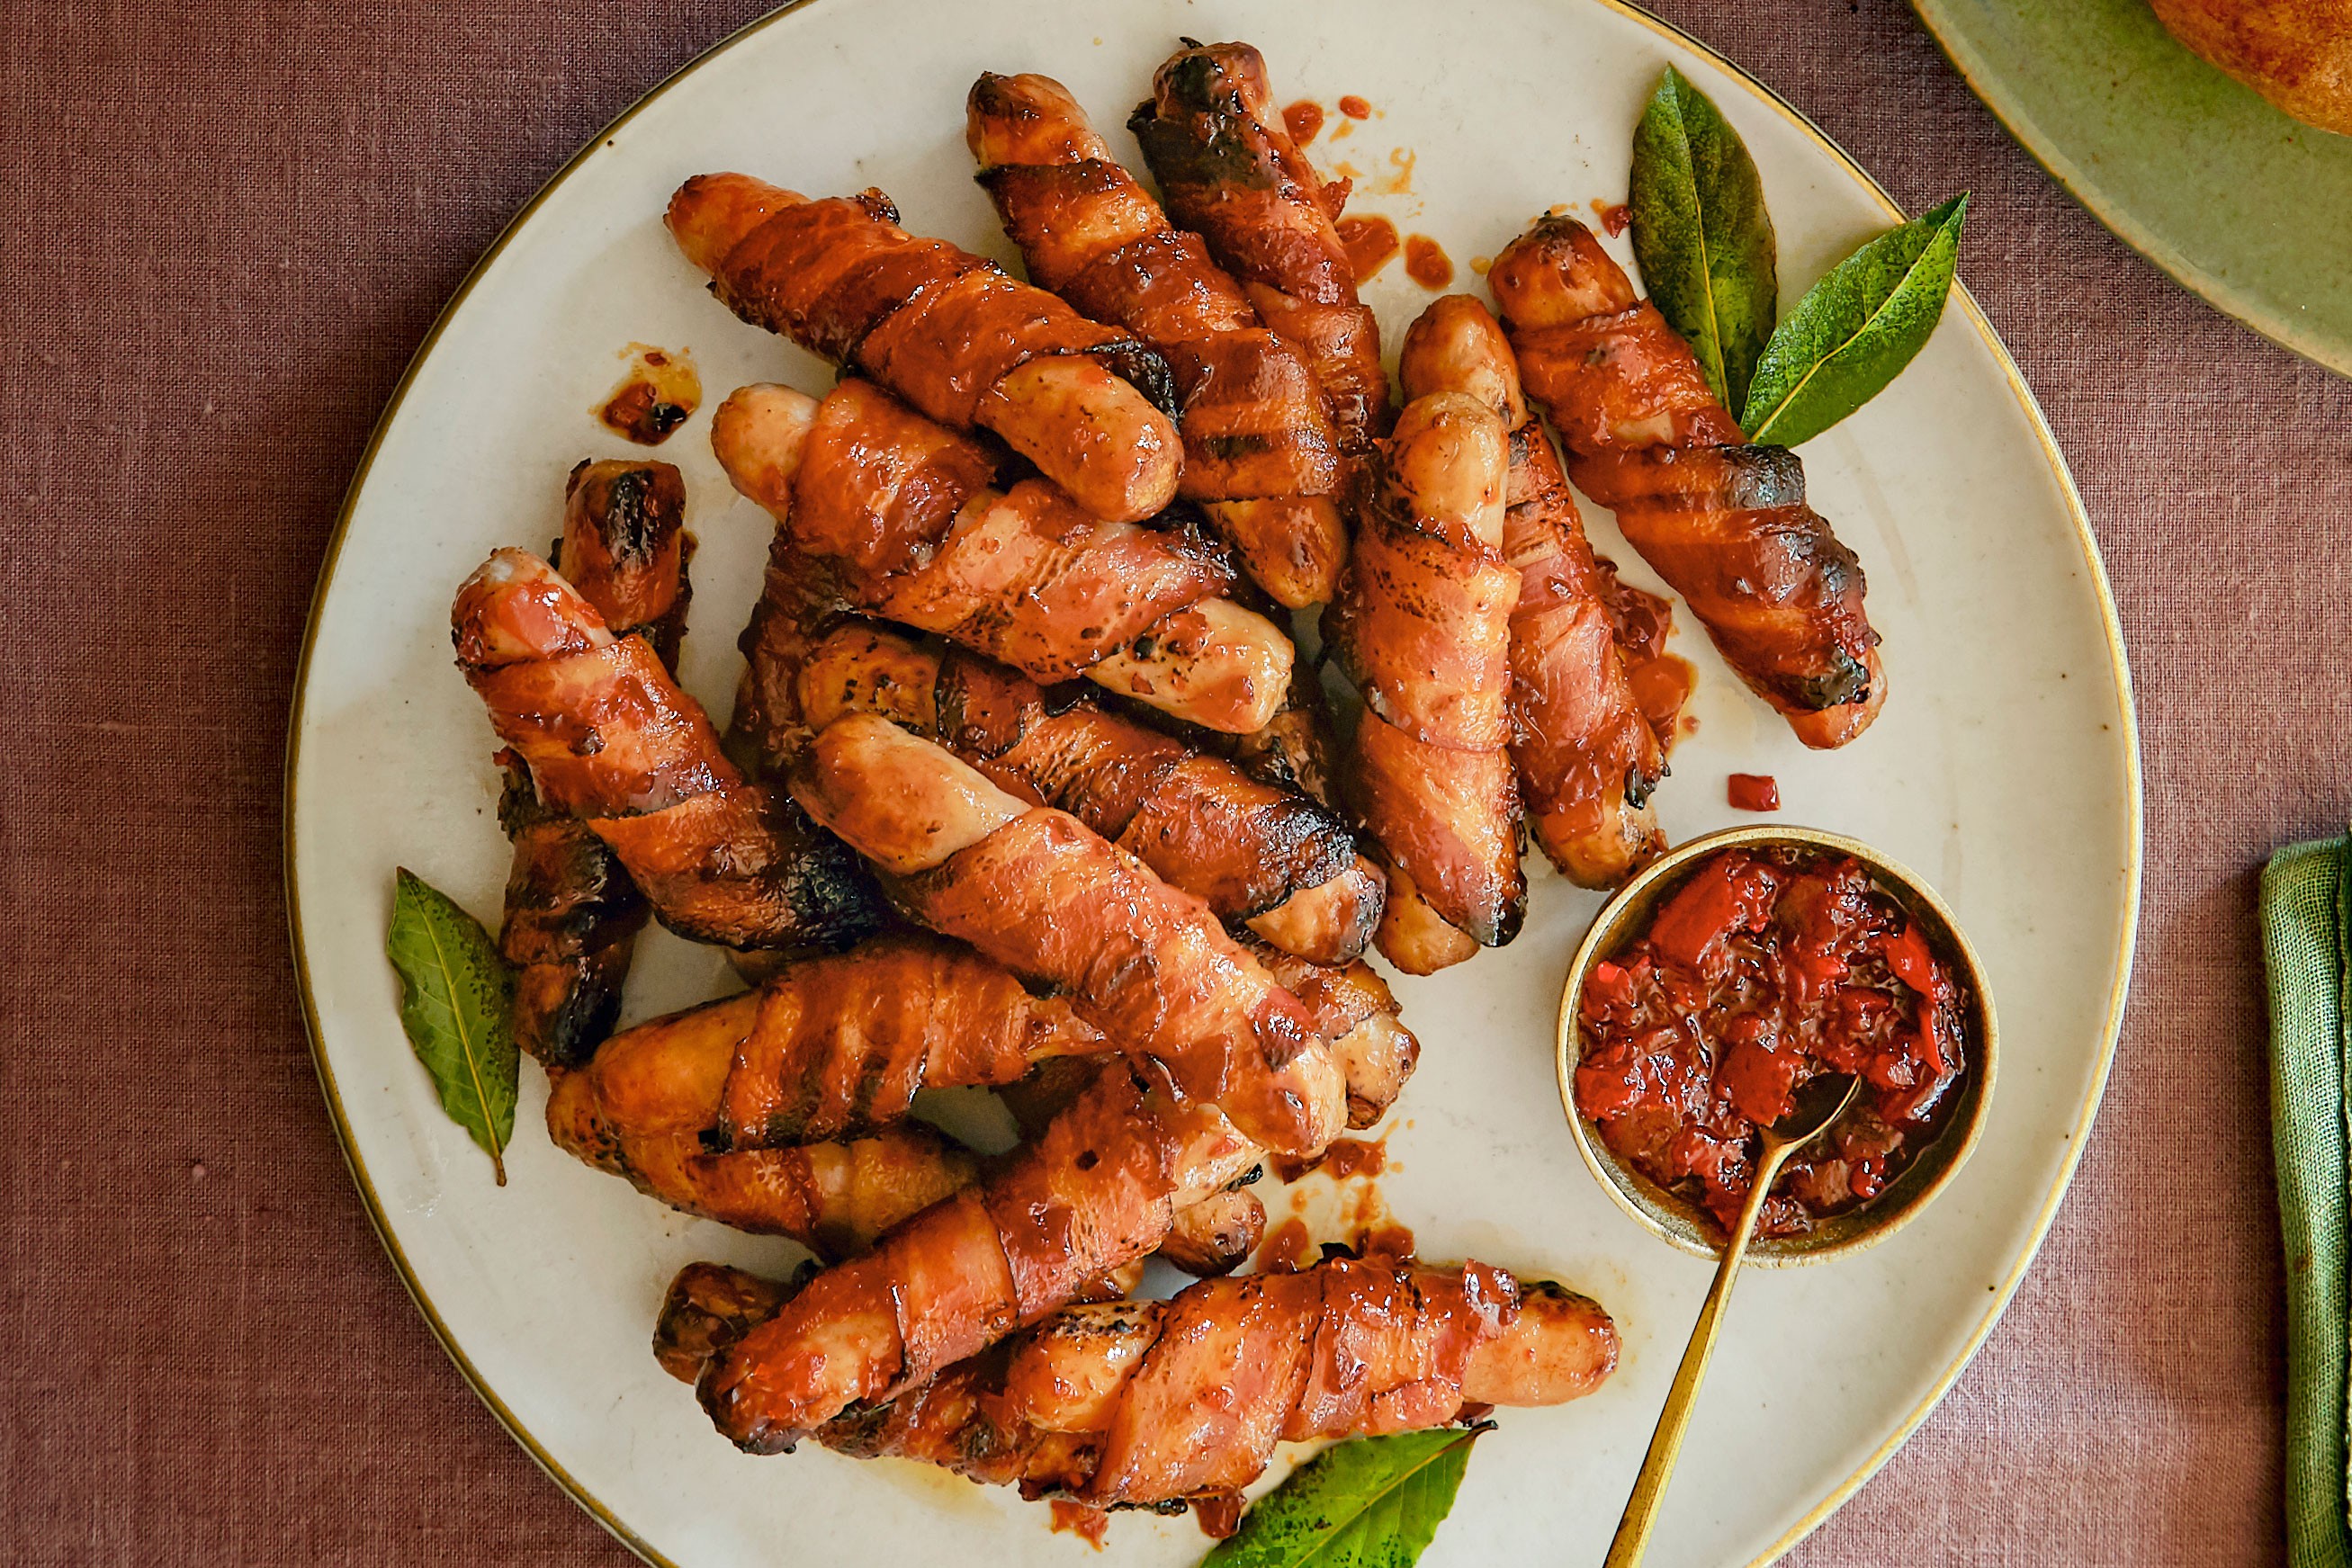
{"type": "Point", "coordinates": [1770, 967]}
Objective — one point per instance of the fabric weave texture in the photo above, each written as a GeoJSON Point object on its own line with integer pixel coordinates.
{"type": "Point", "coordinates": [229, 227]}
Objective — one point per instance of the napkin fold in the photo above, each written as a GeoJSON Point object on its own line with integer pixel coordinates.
{"type": "Point", "coordinates": [2306, 913]}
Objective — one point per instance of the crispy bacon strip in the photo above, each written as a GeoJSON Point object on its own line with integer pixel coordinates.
{"type": "Point", "coordinates": [900, 511]}
{"type": "Point", "coordinates": [1265, 860]}
{"type": "Point", "coordinates": [1097, 1189]}
{"type": "Point", "coordinates": [945, 330]}
{"type": "Point", "coordinates": [1587, 758]}
{"type": "Point", "coordinates": [1142, 1404]}
{"type": "Point", "coordinates": [1037, 891]}
{"type": "Point", "coordinates": [610, 738]}
{"type": "Point", "coordinates": [1230, 172]}
{"type": "Point", "coordinates": [1421, 625]}
{"type": "Point", "coordinates": [571, 913]}
{"type": "Point", "coordinates": [1260, 452]}
{"type": "Point", "coordinates": [1724, 523]}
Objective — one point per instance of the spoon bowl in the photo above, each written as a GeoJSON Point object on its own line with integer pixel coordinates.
{"type": "Point", "coordinates": [1682, 1222]}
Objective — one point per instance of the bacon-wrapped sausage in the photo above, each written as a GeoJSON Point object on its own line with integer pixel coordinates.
{"type": "Point", "coordinates": [1264, 859]}
{"type": "Point", "coordinates": [1097, 1189]}
{"type": "Point", "coordinates": [827, 1047]}
{"type": "Point", "coordinates": [1142, 1404]}
{"type": "Point", "coordinates": [1422, 626]}
{"type": "Point", "coordinates": [1230, 172]}
{"type": "Point", "coordinates": [1216, 1235]}
{"type": "Point", "coordinates": [945, 330]}
{"type": "Point", "coordinates": [1260, 452]}
{"type": "Point", "coordinates": [1353, 1008]}
{"type": "Point", "coordinates": [901, 511]}
{"type": "Point", "coordinates": [1587, 758]}
{"type": "Point", "coordinates": [839, 1045]}
{"type": "Point", "coordinates": [610, 738]}
{"type": "Point", "coordinates": [1037, 891]}
{"type": "Point", "coordinates": [571, 913]}
{"type": "Point", "coordinates": [1724, 523]}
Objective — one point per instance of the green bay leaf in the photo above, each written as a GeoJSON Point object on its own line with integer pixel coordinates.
{"type": "Point", "coordinates": [454, 994]}
{"type": "Point", "coordinates": [1702, 233]}
{"type": "Point", "coordinates": [1855, 330]}
{"type": "Point", "coordinates": [1371, 1503]}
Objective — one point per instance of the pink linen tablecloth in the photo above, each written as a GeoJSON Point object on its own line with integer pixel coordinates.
{"type": "Point", "coordinates": [228, 227]}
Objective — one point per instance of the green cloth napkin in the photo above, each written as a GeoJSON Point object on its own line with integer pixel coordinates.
{"type": "Point", "coordinates": [2306, 904]}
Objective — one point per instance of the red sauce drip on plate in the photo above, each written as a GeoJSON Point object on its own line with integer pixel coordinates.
{"type": "Point", "coordinates": [1087, 1523]}
{"type": "Point", "coordinates": [1376, 1230]}
{"type": "Point", "coordinates": [1641, 621]}
{"type": "Point", "coordinates": [1302, 119]}
{"type": "Point", "coordinates": [1285, 1248]}
{"type": "Point", "coordinates": [1370, 243]}
{"type": "Point", "coordinates": [1218, 1516]}
{"type": "Point", "coordinates": [1426, 263]}
{"type": "Point", "coordinates": [660, 393]}
{"type": "Point", "coordinates": [1754, 792]}
{"type": "Point", "coordinates": [1355, 107]}
{"type": "Point", "coordinates": [1340, 1159]}
{"type": "Point", "coordinates": [1766, 968]}
{"type": "Point", "coordinates": [1616, 217]}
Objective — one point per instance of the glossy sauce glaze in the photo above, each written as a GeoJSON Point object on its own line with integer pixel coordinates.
{"type": "Point", "coordinates": [1767, 969]}
{"type": "Point", "coordinates": [1371, 243]}
{"type": "Point", "coordinates": [1355, 107]}
{"type": "Point", "coordinates": [1302, 119]}
{"type": "Point", "coordinates": [660, 393]}
{"type": "Point", "coordinates": [1219, 1516]}
{"type": "Point", "coordinates": [1426, 263]}
{"type": "Point", "coordinates": [1340, 1159]}
{"type": "Point", "coordinates": [1661, 681]}
{"type": "Point", "coordinates": [1285, 1248]}
{"type": "Point", "coordinates": [1088, 1524]}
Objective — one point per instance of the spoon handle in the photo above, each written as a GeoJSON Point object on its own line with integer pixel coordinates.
{"type": "Point", "coordinates": [1666, 1442]}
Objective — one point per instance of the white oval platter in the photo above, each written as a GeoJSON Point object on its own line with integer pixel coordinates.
{"type": "Point", "coordinates": [2004, 767]}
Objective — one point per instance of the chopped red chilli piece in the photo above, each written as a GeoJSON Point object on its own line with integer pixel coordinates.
{"type": "Point", "coordinates": [1754, 792]}
{"type": "Point", "coordinates": [1765, 969]}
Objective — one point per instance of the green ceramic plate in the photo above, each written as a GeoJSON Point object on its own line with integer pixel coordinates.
{"type": "Point", "coordinates": [2248, 207]}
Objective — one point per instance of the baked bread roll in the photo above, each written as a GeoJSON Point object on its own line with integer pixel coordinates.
{"type": "Point", "coordinates": [2296, 53]}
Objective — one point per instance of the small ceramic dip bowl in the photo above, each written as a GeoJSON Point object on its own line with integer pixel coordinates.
{"type": "Point", "coordinates": [1680, 1218]}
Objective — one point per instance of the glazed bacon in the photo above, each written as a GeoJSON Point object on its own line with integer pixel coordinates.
{"type": "Point", "coordinates": [571, 913]}
{"type": "Point", "coordinates": [1422, 627]}
{"type": "Point", "coordinates": [1587, 758]}
{"type": "Point", "coordinates": [1260, 452]}
{"type": "Point", "coordinates": [1041, 894]}
{"type": "Point", "coordinates": [609, 737]}
{"type": "Point", "coordinates": [1265, 860]}
{"type": "Point", "coordinates": [1724, 523]}
{"type": "Point", "coordinates": [902, 513]}
{"type": "Point", "coordinates": [947, 330]}
{"type": "Point", "coordinates": [1230, 172]}
{"type": "Point", "coordinates": [1097, 1189]}
{"type": "Point", "coordinates": [1143, 1404]}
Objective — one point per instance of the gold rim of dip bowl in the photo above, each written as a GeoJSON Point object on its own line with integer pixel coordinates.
{"type": "Point", "coordinates": [1682, 1222]}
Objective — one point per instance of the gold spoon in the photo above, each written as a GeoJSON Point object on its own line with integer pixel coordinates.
{"type": "Point", "coordinates": [1817, 1104]}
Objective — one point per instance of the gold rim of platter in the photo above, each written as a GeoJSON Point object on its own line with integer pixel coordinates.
{"type": "Point", "coordinates": [2126, 724]}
